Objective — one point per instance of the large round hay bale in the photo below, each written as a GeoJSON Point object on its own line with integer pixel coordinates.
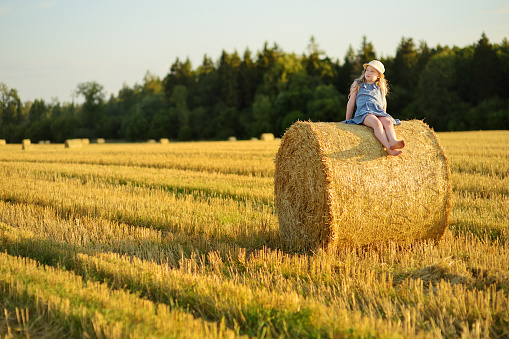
{"type": "Point", "coordinates": [267, 137]}
{"type": "Point", "coordinates": [26, 144]}
{"type": "Point", "coordinates": [335, 185]}
{"type": "Point", "coordinates": [3, 142]}
{"type": "Point", "coordinates": [85, 141]}
{"type": "Point", "coordinates": [73, 143]}
{"type": "Point", "coordinates": [100, 141]}
{"type": "Point", "coordinates": [232, 139]}
{"type": "Point", "coordinates": [164, 141]}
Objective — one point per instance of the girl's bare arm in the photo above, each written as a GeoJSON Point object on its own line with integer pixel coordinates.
{"type": "Point", "coordinates": [351, 104]}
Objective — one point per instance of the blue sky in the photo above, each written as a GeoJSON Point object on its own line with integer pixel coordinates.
{"type": "Point", "coordinates": [47, 47]}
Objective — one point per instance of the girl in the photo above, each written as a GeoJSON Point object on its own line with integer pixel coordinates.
{"type": "Point", "coordinates": [368, 93]}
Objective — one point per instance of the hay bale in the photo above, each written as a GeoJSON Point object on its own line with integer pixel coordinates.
{"type": "Point", "coordinates": [85, 141]}
{"type": "Point", "coordinates": [232, 139]}
{"type": "Point", "coordinates": [100, 141]}
{"type": "Point", "coordinates": [335, 185]}
{"type": "Point", "coordinates": [3, 142]}
{"type": "Point", "coordinates": [47, 142]}
{"type": "Point", "coordinates": [151, 141]}
{"type": "Point", "coordinates": [164, 141]}
{"type": "Point", "coordinates": [73, 143]}
{"type": "Point", "coordinates": [267, 137]}
{"type": "Point", "coordinates": [26, 144]}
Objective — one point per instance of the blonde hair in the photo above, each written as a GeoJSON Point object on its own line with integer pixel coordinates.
{"type": "Point", "coordinates": [381, 82]}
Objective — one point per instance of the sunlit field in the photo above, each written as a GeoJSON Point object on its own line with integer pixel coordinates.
{"type": "Point", "coordinates": [182, 240]}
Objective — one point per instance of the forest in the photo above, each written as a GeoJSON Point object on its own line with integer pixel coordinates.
{"type": "Point", "coordinates": [450, 88]}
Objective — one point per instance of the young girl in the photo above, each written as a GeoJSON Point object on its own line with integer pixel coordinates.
{"type": "Point", "coordinates": [368, 93]}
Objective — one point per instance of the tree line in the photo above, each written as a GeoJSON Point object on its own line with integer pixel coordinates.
{"type": "Point", "coordinates": [452, 89]}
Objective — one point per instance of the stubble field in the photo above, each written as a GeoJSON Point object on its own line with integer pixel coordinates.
{"type": "Point", "coordinates": [182, 240]}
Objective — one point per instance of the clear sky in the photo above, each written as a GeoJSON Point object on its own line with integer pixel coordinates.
{"type": "Point", "coordinates": [47, 47]}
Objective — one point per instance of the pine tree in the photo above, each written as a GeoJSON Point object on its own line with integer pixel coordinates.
{"type": "Point", "coordinates": [486, 71]}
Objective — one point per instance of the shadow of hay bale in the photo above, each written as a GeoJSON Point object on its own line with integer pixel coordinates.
{"type": "Point", "coordinates": [335, 185]}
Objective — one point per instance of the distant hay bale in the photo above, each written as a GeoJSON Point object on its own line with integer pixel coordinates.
{"type": "Point", "coordinates": [85, 141]}
{"type": "Point", "coordinates": [164, 141]}
{"type": "Point", "coordinates": [267, 137]}
{"type": "Point", "coordinates": [3, 142]}
{"type": "Point", "coordinates": [254, 139]}
{"type": "Point", "coordinates": [151, 141]}
{"type": "Point", "coordinates": [335, 185]}
{"type": "Point", "coordinates": [73, 143]}
{"type": "Point", "coordinates": [232, 139]}
{"type": "Point", "coordinates": [100, 141]}
{"type": "Point", "coordinates": [47, 142]}
{"type": "Point", "coordinates": [41, 142]}
{"type": "Point", "coordinates": [26, 144]}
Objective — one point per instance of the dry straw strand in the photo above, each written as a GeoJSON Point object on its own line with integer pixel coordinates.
{"type": "Point", "coordinates": [73, 143]}
{"type": "Point", "coordinates": [335, 185]}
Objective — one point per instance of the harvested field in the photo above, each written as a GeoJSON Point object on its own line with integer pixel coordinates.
{"type": "Point", "coordinates": [184, 241]}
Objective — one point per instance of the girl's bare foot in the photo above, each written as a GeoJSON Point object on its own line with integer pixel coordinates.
{"type": "Point", "coordinates": [393, 152]}
{"type": "Point", "coordinates": [399, 144]}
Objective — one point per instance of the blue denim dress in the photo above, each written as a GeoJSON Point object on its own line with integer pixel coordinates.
{"type": "Point", "coordinates": [369, 101]}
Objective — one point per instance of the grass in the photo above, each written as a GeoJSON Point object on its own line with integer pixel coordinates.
{"type": "Point", "coordinates": [181, 240]}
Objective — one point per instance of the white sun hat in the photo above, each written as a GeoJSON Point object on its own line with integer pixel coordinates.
{"type": "Point", "coordinates": [377, 65]}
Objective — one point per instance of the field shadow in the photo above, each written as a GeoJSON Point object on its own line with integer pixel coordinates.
{"type": "Point", "coordinates": [66, 256]}
{"type": "Point", "coordinates": [473, 278]}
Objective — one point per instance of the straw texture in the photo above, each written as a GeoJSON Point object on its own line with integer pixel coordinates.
{"type": "Point", "coordinates": [335, 185]}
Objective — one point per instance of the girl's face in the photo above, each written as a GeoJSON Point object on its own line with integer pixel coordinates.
{"type": "Point", "coordinates": [371, 74]}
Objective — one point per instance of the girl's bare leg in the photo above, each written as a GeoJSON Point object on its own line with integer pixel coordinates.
{"type": "Point", "coordinates": [391, 134]}
{"type": "Point", "coordinates": [373, 122]}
